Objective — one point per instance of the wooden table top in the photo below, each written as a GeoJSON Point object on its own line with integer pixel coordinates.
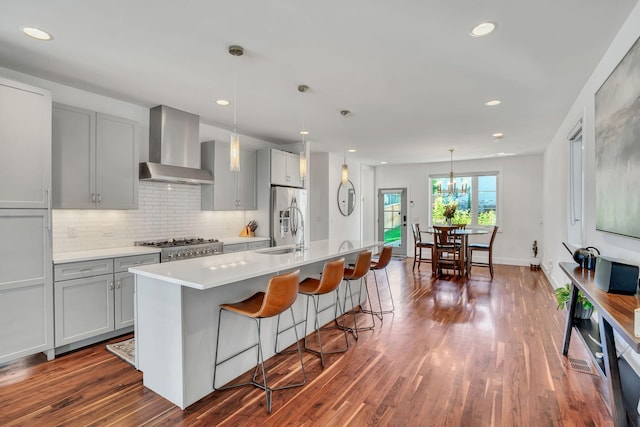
{"type": "Point", "coordinates": [616, 308]}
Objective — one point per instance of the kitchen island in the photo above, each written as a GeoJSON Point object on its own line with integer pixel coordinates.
{"type": "Point", "coordinates": [177, 314]}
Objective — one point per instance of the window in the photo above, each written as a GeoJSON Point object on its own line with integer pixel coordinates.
{"type": "Point", "coordinates": [479, 206]}
{"type": "Point", "coordinates": [574, 228]}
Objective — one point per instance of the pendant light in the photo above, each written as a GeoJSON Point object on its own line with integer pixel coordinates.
{"type": "Point", "coordinates": [234, 150]}
{"type": "Point", "coordinates": [452, 189]}
{"type": "Point", "coordinates": [303, 154]}
{"type": "Point", "coordinates": [344, 177]}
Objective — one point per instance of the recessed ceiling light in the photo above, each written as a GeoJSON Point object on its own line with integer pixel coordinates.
{"type": "Point", "coordinates": [383, 163]}
{"type": "Point", "coordinates": [492, 103]}
{"type": "Point", "coordinates": [498, 135]}
{"type": "Point", "coordinates": [304, 132]}
{"type": "Point", "coordinates": [37, 33]}
{"type": "Point", "coordinates": [483, 29]}
{"type": "Point", "coordinates": [351, 150]}
{"type": "Point", "coordinates": [222, 102]}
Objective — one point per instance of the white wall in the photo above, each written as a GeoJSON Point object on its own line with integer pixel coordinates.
{"type": "Point", "coordinates": [555, 182]}
{"type": "Point", "coordinates": [343, 227]}
{"type": "Point", "coordinates": [519, 199]}
{"type": "Point", "coordinates": [319, 197]}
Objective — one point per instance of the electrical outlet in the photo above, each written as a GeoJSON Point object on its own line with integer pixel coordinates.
{"type": "Point", "coordinates": [107, 230]}
{"type": "Point", "coordinates": [71, 231]}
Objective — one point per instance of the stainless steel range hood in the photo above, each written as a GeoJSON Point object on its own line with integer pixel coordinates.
{"type": "Point", "coordinates": [174, 148]}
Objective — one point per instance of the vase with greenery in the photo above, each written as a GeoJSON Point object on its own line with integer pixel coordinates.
{"type": "Point", "coordinates": [450, 211]}
{"type": "Point", "coordinates": [584, 308]}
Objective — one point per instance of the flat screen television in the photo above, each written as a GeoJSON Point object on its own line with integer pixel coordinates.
{"type": "Point", "coordinates": [617, 144]}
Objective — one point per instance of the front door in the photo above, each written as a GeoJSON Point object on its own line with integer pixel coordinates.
{"type": "Point", "coordinates": [392, 219]}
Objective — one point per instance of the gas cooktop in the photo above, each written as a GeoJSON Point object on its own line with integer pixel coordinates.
{"type": "Point", "coordinates": [183, 248]}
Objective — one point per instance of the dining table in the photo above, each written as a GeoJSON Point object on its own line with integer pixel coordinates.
{"type": "Point", "coordinates": [464, 234]}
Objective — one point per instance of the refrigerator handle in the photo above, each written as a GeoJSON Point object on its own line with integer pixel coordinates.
{"type": "Point", "coordinates": [48, 196]}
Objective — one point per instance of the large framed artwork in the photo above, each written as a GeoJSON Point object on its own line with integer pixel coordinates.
{"type": "Point", "coordinates": [617, 126]}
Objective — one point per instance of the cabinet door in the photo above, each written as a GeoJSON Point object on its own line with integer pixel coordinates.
{"type": "Point", "coordinates": [116, 163]}
{"type": "Point", "coordinates": [279, 167]}
{"type": "Point", "coordinates": [248, 180]}
{"type": "Point", "coordinates": [225, 186]}
{"type": "Point", "coordinates": [230, 190]}
{"type": "Point", "coordinates": [25, 146]}
{"type": "Point", "coordinates": [26, 287]}
{"type": "Point", "coordinates": [234, 247]}
{"type": "Point", "coordinates": [74, 132]}
{"type": "Point", "coordinates": [259, 245]}
{"type": "Point", "coordinates": [293, 170]}
{"type": "Point", "coordinates": [124, 313]}
{"type": "Point", "coordinates": [83, 308]}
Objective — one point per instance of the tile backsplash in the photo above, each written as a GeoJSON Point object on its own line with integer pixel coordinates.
{"type": "Point", "coordinates": [164, 210]}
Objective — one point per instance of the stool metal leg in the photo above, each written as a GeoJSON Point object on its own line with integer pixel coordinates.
{"type": "Point", "coordinates": [259, 363]}
{"type": "Point", "coordinates": [316, 303]}
{"type": "Point", "coordinates": [381, 311]}
{"type": "Point", "coordinates": [355, 329]}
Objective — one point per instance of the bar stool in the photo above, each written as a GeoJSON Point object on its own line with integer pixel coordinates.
{"type": "Point", "coordinates": [381, 264]}
{"type": "Point", "coordinates": [332, 274]}
{"type": "Point", "coordinates": [358, 272]}
{"type": "Point", "coordinates": [281, 293]}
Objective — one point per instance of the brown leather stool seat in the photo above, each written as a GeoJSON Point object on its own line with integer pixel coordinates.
{"type": "Point", "coordinates": [313, 288]}
{"type": "Point", "coordinates": [281, 293]}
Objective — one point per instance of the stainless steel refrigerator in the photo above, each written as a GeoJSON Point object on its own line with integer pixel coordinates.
{"type": "Point", "coordinates": [26, 284]}
{"type": "Point", "coordinates": [288, 210]}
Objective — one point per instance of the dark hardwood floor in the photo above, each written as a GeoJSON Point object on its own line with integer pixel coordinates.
{"type": "Point", "coordinates": [456, 352]}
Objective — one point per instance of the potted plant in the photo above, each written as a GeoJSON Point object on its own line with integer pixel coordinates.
{"type": "Point", "coordinates": [535, 261]}
{"type": "Point", "coordinates": [584, 308]}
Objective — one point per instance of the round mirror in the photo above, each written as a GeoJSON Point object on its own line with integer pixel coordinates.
{"type": "Point", "coordinates": [346, 198]}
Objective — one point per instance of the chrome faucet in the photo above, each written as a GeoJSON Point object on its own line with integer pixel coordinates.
{"type": "Point", "coordinates": [293, 226]}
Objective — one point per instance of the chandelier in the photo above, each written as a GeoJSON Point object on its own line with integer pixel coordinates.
{"type": "Point", "coordinates": [452, 189]}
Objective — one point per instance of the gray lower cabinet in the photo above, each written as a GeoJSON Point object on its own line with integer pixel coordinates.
{"type": "Point", "coordinates": [94, 297]}
{"type": "Point", "coordinates": [95, 160]}
{"type": "Point", "coordinates": [231, 190]}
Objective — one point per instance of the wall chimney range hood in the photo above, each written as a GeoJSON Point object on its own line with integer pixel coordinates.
{"type": "Point", "coordinates": [174, 148]}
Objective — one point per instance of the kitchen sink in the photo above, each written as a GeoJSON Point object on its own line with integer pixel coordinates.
{"type": "Point", "coordinates": [277, 251]}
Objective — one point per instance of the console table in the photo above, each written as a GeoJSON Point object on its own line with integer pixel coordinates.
{"type": "Point", "coordinates": [615, 313]}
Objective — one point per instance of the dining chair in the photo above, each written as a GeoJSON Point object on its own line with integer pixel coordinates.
{"type": "Point", "coordinates": [419, 245]}
{"type": "Point", "coordinates": [481, 247]}
{"type": "Point", "coordinates": [448, 250]}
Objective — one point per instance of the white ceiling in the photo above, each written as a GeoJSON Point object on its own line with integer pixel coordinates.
{"type": "Point", "coordinates": [413, 78]}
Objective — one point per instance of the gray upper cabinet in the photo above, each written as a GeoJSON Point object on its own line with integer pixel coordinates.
{"type": "Point", "coordinates": [230, 190]}
{"type": "Point", "coordinates": [25, 136]}
{"type": "Point", "coordinates": [285, 168]}
{"type": "Point", "coordinates": [95, 160]}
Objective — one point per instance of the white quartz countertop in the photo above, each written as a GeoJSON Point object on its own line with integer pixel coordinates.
{"type": "Point", "coordinates": [88, 255]}
{"type": "Point", "coordinates": [234, 240]}
{"type": "Point", "coordinates": [218, 270]}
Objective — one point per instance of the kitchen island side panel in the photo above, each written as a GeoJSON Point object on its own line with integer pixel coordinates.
{"type": "Point", "coordinates": [159, 338]}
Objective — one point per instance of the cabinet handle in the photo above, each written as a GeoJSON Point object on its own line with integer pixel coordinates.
{"type": "Point", "coordinates": [48, 196]}
{"type": "Point", "coordinates": [118, 284]}
{"type": "Point", "coordinates": [111, 286]}
{"type": "Point", "coordinates": [99, 198]}
{"type": "Point", "coordinates": [93, 197]}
